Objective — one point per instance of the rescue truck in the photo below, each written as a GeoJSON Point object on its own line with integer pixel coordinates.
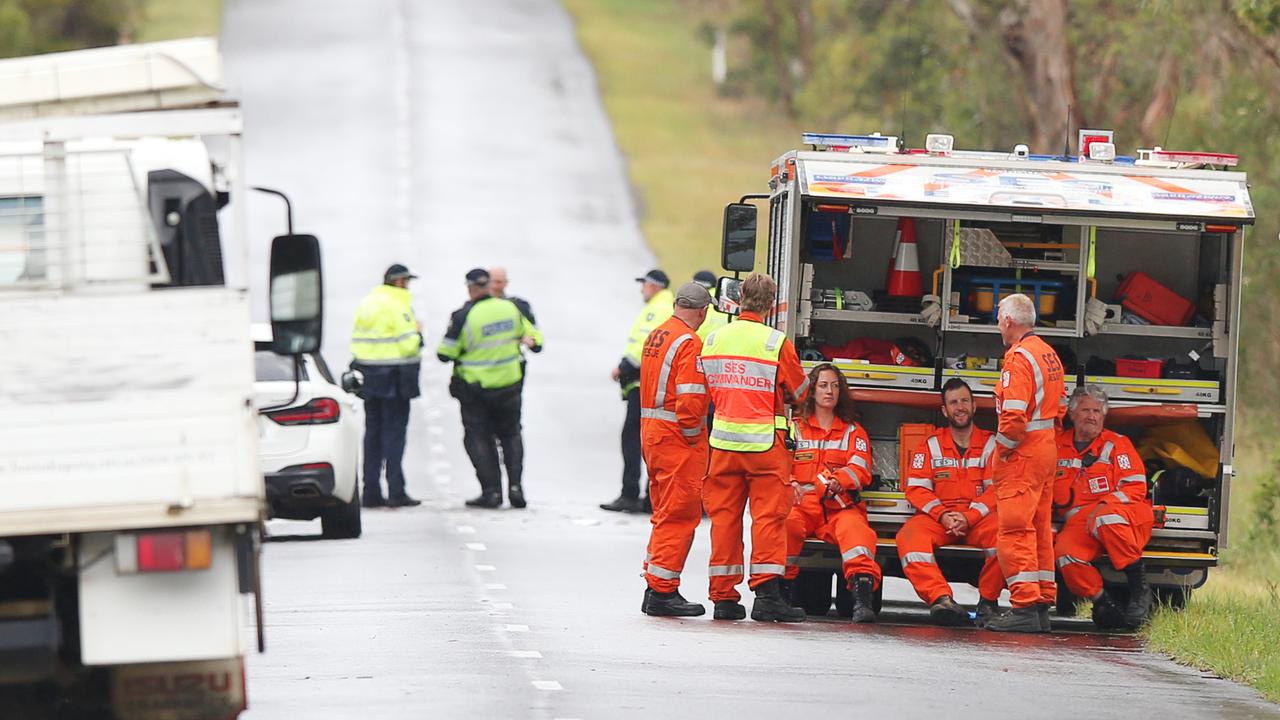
{"type": "Point", "coordinates": [131, 497]}
{"type": "Point", "coordinates": [890, 263]}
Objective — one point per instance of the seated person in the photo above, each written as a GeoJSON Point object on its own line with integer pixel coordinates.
{"type": "Point", "coordinates": [1101, 489]}
{"type": "Point", "coordinates": [832, 466]}
{"type": "Point", "coordinates": [949, 483]}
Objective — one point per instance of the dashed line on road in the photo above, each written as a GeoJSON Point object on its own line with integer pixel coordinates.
{"type": "Point", "coordinates": [531, 654]}
{"type": "Point", "coordinates": [502, 606]}
{"type": "Point", "coordinates": [515, 628]}
{"type": "Point", "coordinates": [477, 546]}
{"type": "Point", "coordinates": [494, 586]}
{"type": "Point", "coordinates": [486, 568]}
{"type": "Point", "coordinates": [465, 530]}
{"type": "Point", "coordinates": [547, 685]}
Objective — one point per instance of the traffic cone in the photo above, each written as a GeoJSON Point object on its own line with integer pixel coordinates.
{"type": "Point", "coordinates": [904, 277]}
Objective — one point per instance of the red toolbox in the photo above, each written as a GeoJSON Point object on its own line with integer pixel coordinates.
{"type": "Point", "coordinates": [1139, 368]}
{"type": "Point", "coordinates": [1140, 294]}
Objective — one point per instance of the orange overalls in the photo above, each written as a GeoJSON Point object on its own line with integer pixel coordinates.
{"type": "Point", "coordinates": [842, 453]}
{"type": "Point", "coordinates": [753, 373]}
{"type": "Point", "coordinates": [1107, 508]}
{"type": "Point", "coordinates": [673, 442]}
{"type": "Point", "coordinates": [942, 480]}
{"type": "Point", "coordinates": [1029, 402]}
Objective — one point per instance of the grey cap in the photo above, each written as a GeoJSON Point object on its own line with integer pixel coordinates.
{"type": "Point", "coordinates": [692, 295]}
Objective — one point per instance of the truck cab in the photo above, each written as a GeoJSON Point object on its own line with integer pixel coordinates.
{"type": "Point", "coordinates": [890, 263]}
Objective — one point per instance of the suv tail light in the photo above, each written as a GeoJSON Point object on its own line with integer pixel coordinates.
{"type": "Point", "coordinates": [321, 411]}
{"type": "Point", "coordinates": [168, 551]}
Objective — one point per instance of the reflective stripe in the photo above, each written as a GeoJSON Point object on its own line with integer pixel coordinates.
{"type": "Point", "coordinates": [804, 387]}
{"type": "Point", "coordinates": [987, 450]}
{"type": "Point", "coordinates": [490, 363]}
{"type": "Point", "coordinates": [396, 339]}
{"type": "Point", "coordinates": [808, 487]}
{"type": "Point", "coordinates": [1139, 478]}
{"type": "Point", "coordinates": [935, 449]}
{"type": "Point", "coordinates": [691, 389]}
{"type": "Point", "coordinates": [1030, 576]}
{"type": "Point", "coordinates": [724, 570]}
{"type": "Point", "coordinates": [1073, 463]}
{"type": "Point", "coordinates": [767, 569]}
{"type": "Point", "coordinates": [859, 461]}
{"type": "Point", "coordinates": [1071, 513]}
{"type": "Point", "coordinates": [775, 339]}
{"type": "Point", "coordinates": [1035, 425]}
{"type": "Point", "coordinates": [1120, 496]}
{"type": "Point", "coordinates": [1107, 520]}
{"type": "Point", "coordinates": [660, 397]}
{"type": "Point", "coordinates": [929, 506]}
{"type": "Point", "coordinates": [1105, 457]}
{"type": "Point", "coordinates": [973, 462]}
{"type": "Point", "coordinates": [655, 414]}
{"type": "Point", "coordinates": [982, 509]}
{"type": "Point", "coordinates": [925, 483]}
{"type": "Point", "coordinates": [986, 484]}
{"type": "Point", "coordinates": [744, 438]}
{"type": "Point", "coordinates": [854, 552]}
{"type": "Point", "coordinates": [853, 477]}
{"type": "Point", "coordinates": [392, 361]}
{"type": "Point", "coordinates": [1039, 380]}
{"type": "Point", "coordinates": [1006, 442]}
{"type": "Point", "coordinates": [1069, 560]}
{"type": "Point", "coordinates": [663, 573]}
{"type": "Point", "coordinates": [989, 552]}
{"type": "Point", "coordinates": [692, 432]}
{"type": "Point", "coordinates": [1047, 576]}
{"type": "Point", "coordinates": [755, 369]}
{"type": "Point", "coordinates": [919, 557]}
{"type": "Point", "coordinates": [1015, 405]}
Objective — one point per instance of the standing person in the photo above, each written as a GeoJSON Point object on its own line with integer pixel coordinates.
{"type": "Point", "coordinates": [950, 486]}
{"type": "Point", "coordinates": [386, 347]}
{"type": "Point", "coordinates": [715, 319]}
{"type": "Point", "coordinates": [753, 374]}
{"type": "Point", "coordinates": [832, 468]}
{"type": "Point", "coordinates": [1102, 483]}
{"type": "Point", "coordinates": [1029, 405]}
{"type": "Point", "coordinates": [657, 308]}
{"type": "Point", "coordinates": [483, 342]}
{"type": "Point", "coordinates": [498, 289]}
{"type": "Point", "coordinates": [673, 436]}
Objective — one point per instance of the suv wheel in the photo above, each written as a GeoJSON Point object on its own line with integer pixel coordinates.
{"type": "Point", "coordinates": [343, 523]}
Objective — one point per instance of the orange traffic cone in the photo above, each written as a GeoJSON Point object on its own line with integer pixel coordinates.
{"type": "Point", "coordinates": [904, 277]}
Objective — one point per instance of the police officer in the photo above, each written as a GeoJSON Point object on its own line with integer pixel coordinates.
{"type": "Point", "coordinates": [659, 304]}
{"type": "Point", "coordinates": [386, 344]}
{"type": "Point", "coordinates": [483, 342]}
{"type": "Point", "coordinates": [498, 289]}
{"type": "Point", "coordinates": [715, 319]}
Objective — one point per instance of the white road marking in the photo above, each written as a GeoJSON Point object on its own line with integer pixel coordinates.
{"type": "Point", "coordinates": [486, 568]}
{"type": "Point", "coordinates": [586, 522]}
{"type": "Point", "coordinates": [516, 628]}
{"type": "Point", "coordinates": [525, 654]}
{"type": "Point", "coordinates": [494, 586]}
{"type": "Point", "coordinates": [547, 685]}
{"type": "Point", "coordinates": [466, 530]}
{"type": "Point", "coordinates": [476, 546]}
{"type": "Point", "coordinates": [503, 606]}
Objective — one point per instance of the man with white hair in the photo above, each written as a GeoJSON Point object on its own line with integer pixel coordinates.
{"type": "Point", "coordinates": [1102, 483]}
{"type": "Point", "coordinates": [1029, 405]}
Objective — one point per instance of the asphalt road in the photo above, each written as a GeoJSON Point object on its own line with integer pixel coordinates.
{"type": "Point", "coordinates": [449, 135]}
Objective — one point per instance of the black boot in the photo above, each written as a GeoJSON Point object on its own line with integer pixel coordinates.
{"type": "Point", "coordinates": [372, 501]}
{"type": "Point", "coordinates": [1021, 620]}
{"type": "Point", "coordinates": [863, 588]}
{"type": "Point", "coordinates": [515, 494]}
{"type": "Point", "coordinates": [623, 503]}
{"type": "Point", "coordinates": [1139, 596]}
{"type": "Point", "coordinates": [1045, 624]}
{"type": "Point", "coordinates": [486, 500]}
{"type": "Point", "coordinates": [728, 610]}
{"type": "Point", "coordinates": [787, 589]}
{"type": "Point", "coordinates": [672, 604]}
{"type": "Point", "coordinates": [400, 501]}
{"type": "Point", "coordinates": [644, 604]}
{"type": "Point", "coordinates": [986, 610]}
{"type": "Point", "coordinates": [946, 612]}
{"type": "Point", "coordinates": [770, 607]}
{"type": "Point", "coordinates": [1106, 614]}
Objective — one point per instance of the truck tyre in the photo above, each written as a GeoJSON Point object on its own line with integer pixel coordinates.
{"type": "Point", "coordinates": [343, 523]}
{"type": "Point", "coordinates": [1174, 598]}
{"type": "Point", "coordinates": [813, 591]}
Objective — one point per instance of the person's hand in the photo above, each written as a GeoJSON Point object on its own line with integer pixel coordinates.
{"type": "Point", "coordinates": [961, 526]}
{"type": "Point", "coordinates": [616, 374]}
{"type": "Point", "coordinates": [529, 342]}
{"type": "Point", "coordinates": [833, 486]}
{"type": "Point", "coordinates": [950, 520]}
{"type": "Point", "coordinates": [796, 493]}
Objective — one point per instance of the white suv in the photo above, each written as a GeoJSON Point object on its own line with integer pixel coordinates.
{"type": "Point", "coordinates": [309, 439]}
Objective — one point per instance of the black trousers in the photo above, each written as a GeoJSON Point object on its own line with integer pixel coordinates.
{"type": "Point", "coordinates": [491, 418]}
{"type": "Point", "coordinates": [386, 421]}
{"type": "Point", "coordinates": [631, 447]}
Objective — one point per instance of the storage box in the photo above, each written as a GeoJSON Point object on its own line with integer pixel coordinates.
{"type": "Point", "coordinates": [1143, 296]}
{"type": "Point", "coordinates": [983, 294]}
{"type": "Point", "coordinates": [1139, 368]}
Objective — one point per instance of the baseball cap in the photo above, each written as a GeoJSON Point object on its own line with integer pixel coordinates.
{"type": "Point", "coordinates": [705, 278]}
{"type": "Point", "coordinates": [692, 295]}
{"type": "Point", "coordinates": [396, 272]}
{"type": "Point", "coordinates": [477, 276]}
{"type": "Point", "coordinates": [656, 276]}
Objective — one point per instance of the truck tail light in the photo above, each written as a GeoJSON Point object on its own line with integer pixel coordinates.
{"type": "Point", "coordinates": [321, 411]}
{"type": "Point", "coordinates": [167, 551]}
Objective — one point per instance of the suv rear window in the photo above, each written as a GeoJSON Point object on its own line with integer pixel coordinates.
{"type": "Point", "coordinates": [268, 366]}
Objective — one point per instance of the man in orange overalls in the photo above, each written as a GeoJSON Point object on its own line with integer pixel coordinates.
{"type": "Point", "coordinates": [949, 483]}
{"type": "Point", "coordinates": [673, 442]}
{"type": "Point", "coordinates": [832, 467]}
{"type": "Point", "coordinates": [1102, 483]}
{"type": "Point", "coordinates": [753, 374]}
{"type": "Point", "coordinates": [1029, 405]}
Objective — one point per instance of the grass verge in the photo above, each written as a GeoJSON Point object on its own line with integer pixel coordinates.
{"type": "Point", "coordinates": [171, 19]}
{"type": "Point", "coordinates": [689, 150]}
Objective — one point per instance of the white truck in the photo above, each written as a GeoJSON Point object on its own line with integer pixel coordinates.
{"type": "Point", "coordinates": [1135, 264]}
{"type": "Point", "coordinates": [131, 498]}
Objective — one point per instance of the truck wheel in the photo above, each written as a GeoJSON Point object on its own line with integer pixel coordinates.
{"type": "Point", "coordinates": [1174, 598]}
{"type": "Point", "coordinates": [813, 591]}
{"type": "Point", "coordinates": [342, 523]}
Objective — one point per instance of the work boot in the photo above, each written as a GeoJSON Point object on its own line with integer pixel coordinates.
{"type": "Point", "coordinates": [515, 494]}
{"type": "Point", "coordinates": [1045, 624]}
{"type": "Point", "coordinates": [863, 588]}
{"type": "Point", "coordinates": [622, 503]}
{"type": "Point", "coordinates": [1139, 596]}
{"type": "Point", "coordinates": [672, 604]}
{"type": "Point", "coordinates": [402, 501]}
{"type": "Point", "coordinates": [644, 604]}
{"type": "Point", "coordinates": [1021, 620]}
{"type": "Point", "coordinates": [946, 612]}
{"type": "Point", "coordinates": [373, 501]}
{"type": "Point", "coordinates": [787, 588]}
{"type": "Point", "coordinates": [728, 610]}
{"type": "Point", "coordinates": [770, 607]}
{"type": "Point", "coordinates": [1106, 614]}
{"type": "Point", "coordinates": [985, 610]}
{"type": "Point", "coordinates": [646, 505]}
{"type": "Point", "coordinates": [488, 500]}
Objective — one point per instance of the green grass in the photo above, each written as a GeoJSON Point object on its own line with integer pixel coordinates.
{"type": "Point", "coordinates": [171, 19]}
{"type": "Point", "coordinates": [689, 150]}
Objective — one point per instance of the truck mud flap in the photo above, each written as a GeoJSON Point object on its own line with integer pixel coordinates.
{"type": "Point", "coordinates": [202, 690]}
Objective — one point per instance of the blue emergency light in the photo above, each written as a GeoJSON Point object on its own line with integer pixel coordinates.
{"type": "Point", "coordinates": [847, 141]}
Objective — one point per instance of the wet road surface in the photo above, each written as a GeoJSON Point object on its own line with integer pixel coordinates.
{"type": "Point", "coordinates": [451, 135]}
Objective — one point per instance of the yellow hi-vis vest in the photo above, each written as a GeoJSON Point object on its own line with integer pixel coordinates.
{"type": "Point", "coordinates": [487, 350]}
{"type": "Point", "coordinates": [741, 364]}
{"type": "Point", "coordinates": [385, 331]}
{"type": "Point", "coordinates": [655, 312]}
{"type": "Point", "coordinates": [714, 321]}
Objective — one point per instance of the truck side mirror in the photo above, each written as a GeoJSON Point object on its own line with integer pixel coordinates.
{"type": "Point", "coordinates": [297, 294]}
{"type": "Point", "coordinates": [738, 244]}
{"type": "Point", "coordinates": [729, 296]}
